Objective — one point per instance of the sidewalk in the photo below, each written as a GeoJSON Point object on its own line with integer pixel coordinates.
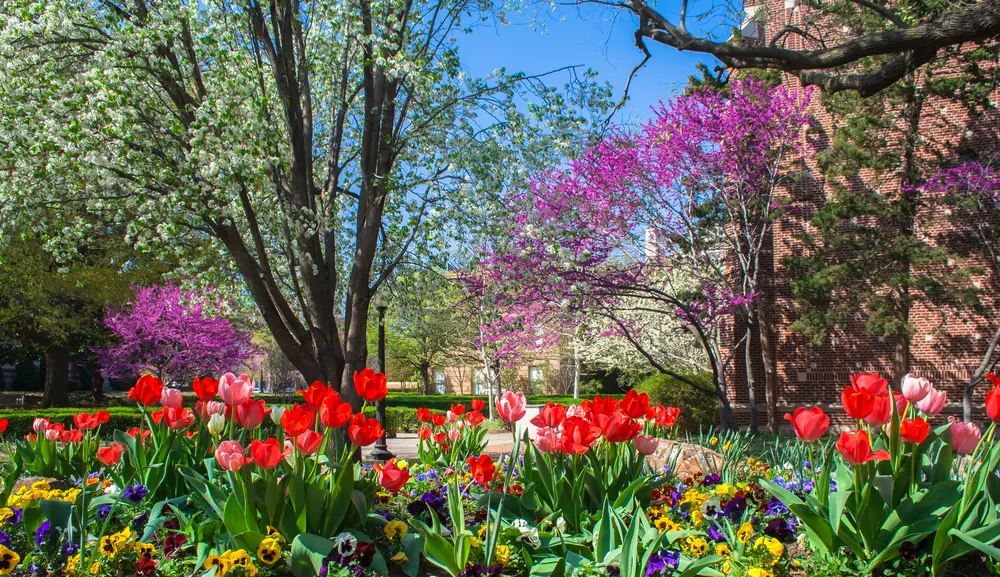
{"type": "Point", "coordinates": [405, 445]}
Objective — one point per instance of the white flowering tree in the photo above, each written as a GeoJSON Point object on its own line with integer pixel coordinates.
{"type": "Point", "coordinates": [316, 145]}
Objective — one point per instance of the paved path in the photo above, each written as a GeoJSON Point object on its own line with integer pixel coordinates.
{"type": "Point", "coordinates": [405, 445]}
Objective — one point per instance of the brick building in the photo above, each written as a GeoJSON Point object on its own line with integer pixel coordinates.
{"type": "Point", "coordinates": [948, 344]}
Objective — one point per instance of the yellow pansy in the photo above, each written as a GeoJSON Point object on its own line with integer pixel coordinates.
{"type": "Point", "coordinates": [72, 562]}
{"type": "Point", "coordinates": [695, 546]}
{"type": "Point", "coordinates": [727, 568]}
{"type": "Point", "coordinates": [713, 441]}
{"type": "Point", "coordinates": [145, 550]}
{"type": "Point", "coordinates": [745, 532]}
{"type": "Point", "coordinates": [759, 572]}
{"type": "Point", "coordinates": [269, 551]}
{"type": "Point", "coordinates": [503, 555]}
{"type": "Point", "coordinates": [273, 533]}
{"type": "Point", "coordinates": [697, 517]}
{"type": "Point", "coordinates": [395, 529]}
{"type": "Point", "coordinates": [727, 445]}
{"type": "Point", "coordinates": [402, 464]}
{"type": "Point", "coordinates": [217, 562]}
{"type": "Point", "coordinates": [95, 569]}
{"type": "Point", "coordinates": [723, 550]}
{"type": "Point", "coordinates": [8, 560]}
{"type": "Point", "coordinates": [399, 558]}
{"type": "Point", "coordinates": [108, 546]}
{"type": "Point", "coordinates": [773, 546]}
{"type": "Point", "coordinates": [5, 513]}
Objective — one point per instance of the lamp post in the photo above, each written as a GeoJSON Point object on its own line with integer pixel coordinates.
{"type": "Point", "coordinates": [381, 451]}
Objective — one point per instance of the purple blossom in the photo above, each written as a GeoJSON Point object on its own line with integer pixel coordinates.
{"type": "Point", "coordinates": [171, 332]}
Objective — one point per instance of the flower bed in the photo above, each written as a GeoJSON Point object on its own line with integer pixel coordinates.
{"type": "Point", "coordinates": [232, 486]}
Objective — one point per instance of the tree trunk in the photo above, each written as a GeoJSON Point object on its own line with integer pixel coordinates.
{"type": "Point", "coordinates": [770, 373]}
{"type": "Point", "coordinates": [751, 393]}
{"type": "Point", "coordinates": [726, 420]}
{"type": "Point", "coordinates": [56, 378]}
{"type": "Point", "coordinates": [97, 384]}
{"type": "Point", "coordinates": [425, 376]}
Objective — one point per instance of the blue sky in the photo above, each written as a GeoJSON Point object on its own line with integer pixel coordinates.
{"type": "Point", "coordinates": [586, 37]}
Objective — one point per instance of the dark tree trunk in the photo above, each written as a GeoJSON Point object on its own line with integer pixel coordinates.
{"type": "Point", "coordinates": [770, 373]}
{"type": "Point", "coordinates": [425, 376]}
{"type": "Point", "coordinates": [97, 384]}
{"type": "Point", "coordinates": [751, 382]}
{"type": "Point", "coordinates": [56, 378]}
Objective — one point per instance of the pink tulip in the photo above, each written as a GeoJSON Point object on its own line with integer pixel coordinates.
{"type": "Point", "coordinates": [964, 436]}
{"type": "Point", "coordinates": [40, 425]}
{"type": "Point", "coordinates": [235, 390]}
{"type": "Point", "coordinates": [915, 388]}
{"type": "Point", "coordinates": [576, 411]}
{"type": "Point", "coordinates": [646, 444]}
{"type": "Point", "coordinates": [52, 434]}
{"type": "Point", "coordinates": [251, 413]}
{"type": "Point", "coordinates": [171, 397]}
{"type": "Point", "coordinates": [454, 434]}
{"type": "Point", "coordinates": [547, 439]}
{"type": "Point", "coordinates": [229, 455]}
{"type": "Point", "coordinates": [215, 408]}
{"type": "Point", "coordinates": [512, 406]}
{"type": "Point", "coordinates": [933, 402]}
{"type": "Point", "coordinates": [901, 402]}
{"type": "Point", "coordinates": [452, 417]}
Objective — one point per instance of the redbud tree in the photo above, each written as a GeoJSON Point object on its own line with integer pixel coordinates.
{"type": "Point", "coordinates": [174, 334]}
{"type": "Point", "coordinates": [670, 219]}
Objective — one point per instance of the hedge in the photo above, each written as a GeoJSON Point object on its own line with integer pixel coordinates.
{"type": "Point", "coordinates": [19, 421]}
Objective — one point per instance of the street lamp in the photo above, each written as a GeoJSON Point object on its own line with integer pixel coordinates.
{"type": "Point", "coordinates": [381, 451]}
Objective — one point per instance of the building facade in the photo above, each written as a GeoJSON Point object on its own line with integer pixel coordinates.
{"type": "Point", "coordinates": [948, 343]}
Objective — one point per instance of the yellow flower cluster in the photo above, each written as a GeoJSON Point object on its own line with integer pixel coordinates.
{"type": "Point", "coordinates": [503, 555]}
{"type": "Point", "coordinates": [773, 547]}
{"type": "Point", "coordinates": [657, 517]}
{"type": "Point", "coordinates": [111, 545]}
{"type": "Point", "coordinates": [232, 560]}
{"type": "Point", "coordinates": [695, 546]}
{"type": "Point", "coordinates": [40, 490]}
{"type": "Point", "coordinates": [395, 529]}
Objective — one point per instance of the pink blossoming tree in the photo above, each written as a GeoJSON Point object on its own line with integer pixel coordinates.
{"type": "Point", "coordinates": [671, 219]}
{"type": "Point", "coordinates": [173, 334]}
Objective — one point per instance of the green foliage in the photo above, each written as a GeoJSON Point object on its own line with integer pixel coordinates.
{"type": "Point", "coordinates": [698, 409]}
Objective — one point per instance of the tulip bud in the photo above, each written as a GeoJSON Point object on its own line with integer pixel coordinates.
{"type": "Point", "coordinates": [216, 423]}
{"type": "Point", "coordinates": [276, 413]}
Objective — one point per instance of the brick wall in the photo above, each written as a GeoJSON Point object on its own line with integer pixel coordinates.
{"type": "Point", "coordinates": [948, 344]}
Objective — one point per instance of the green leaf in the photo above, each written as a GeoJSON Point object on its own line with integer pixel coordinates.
{"type": "Point", "coordinates": [307, 553]}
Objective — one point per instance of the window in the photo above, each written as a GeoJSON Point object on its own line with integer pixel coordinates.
{"type": "Point", "coordinates": [478, 381]}
{"type": "Point", "coordinates": [439, 381]}
{"type": "Point", "coordinates": [536, 375]}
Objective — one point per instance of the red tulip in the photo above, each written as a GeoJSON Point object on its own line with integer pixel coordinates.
{"type": "Point", "coordinates": [205, 388]}
{"type": "Point", "coordinates": [315, 394]}
{"type": "Point", "coordinates": [134, 432]}
{"type": "Point", "coordinates": [102, 417]}
{"type": "Point", "coordinates": [873, 383]}
{"type": "Point", "coordinates": [552, 415]}
{"type": "Point", "coordinates": [157, 416]}
{"type": "Point", "coordinates": [3, 425]}
{"type": "Point", "coordinates": [858, 403]}
{"type": "Point", "coordinates": [478, 404]}
{"type": "Point", "coordinates": [856, 449]}
{"type": "Point", "coordinates": [621, 428]}
{"type": "Point", "coordinates": [423, 414]}
{"type": "Point", "coordinates": [111, 454]}
{"type": "Point", "coordinates": [424, 433]}
{"type": "Point", "coordinates": [391, 477]}
{"type": "Point", "coordinates": [308, 442]}
{"type": "Point", "coordinates": [809, 424]}
{"type": "Point", "coordinates": [440, 438]}
{"type": "Point", "coordinates": [458, 409]}
{"type": "Point", "coordinates": [267, 454]}
{"type": "Point", "coordinates": [298, 419]}
{"type": "Point", "coordinates": [251, 413]}
{"type": "Point", "coordinates": [84, 421]}
{"type": "Point", "coordinates": [635, 405]}
{"type": "Point", "coordinates": [578, 435]}
{"type": "Point", "coordinates": [482, 468]}
{"type": "Point", "coordinates": [363, 431]}
{"type": "Point", "coordinates": [475, 418]}
{"type": "Point", "coordinates": [371, 386]}
{"type": "Point", "coordinates": [665, 417]}
{"type": "Point", "coordinates": [881, 411]}
{"type": "Point", "coordinates": [993, 399]}
{"type": "Point", "coordinates": [147, 390]}
{"type": "Point", "coordinates": [73, 436]}
{"type": "Point", "coordinates": [333, 412]}
{"type": "Point", "coordinates": [913, 430]}
{"type": "Point", "coordinates": [178, 417]}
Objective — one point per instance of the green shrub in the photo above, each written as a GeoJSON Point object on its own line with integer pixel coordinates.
{"type": "Point", "coordinates": [698, 409]}
{"type": "Point", "coordinates": [19, 420]}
